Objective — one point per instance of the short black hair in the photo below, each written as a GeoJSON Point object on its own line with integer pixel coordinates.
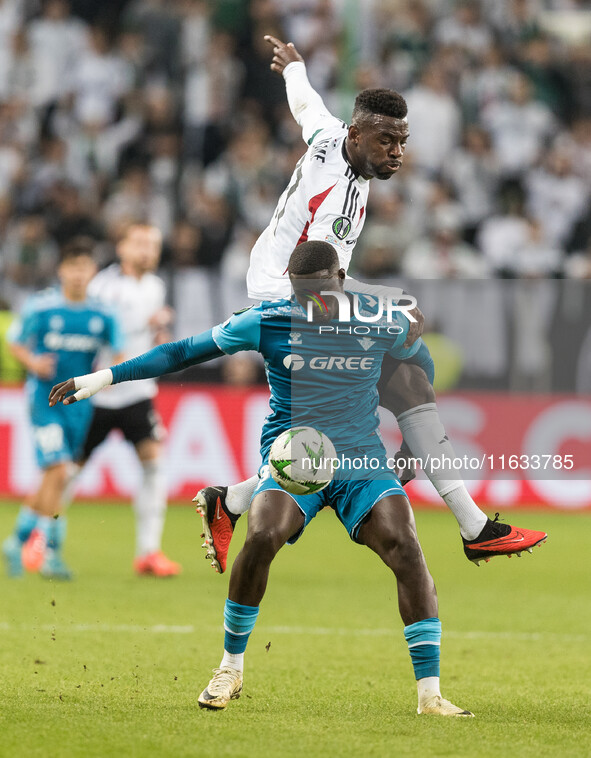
{"type": "Point", "coordinates": [383, 102]}
{"type": "Point", "coordinates": [76, 247]}
{"type": "Point", "coordinates": [312, 256]}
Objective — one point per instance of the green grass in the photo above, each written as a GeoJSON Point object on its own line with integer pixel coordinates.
{"type": "Point", "coordinates": [111, 665]}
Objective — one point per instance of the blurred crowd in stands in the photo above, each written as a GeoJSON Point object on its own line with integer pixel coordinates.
{"type": "Point", "coordinates": [166, 110]}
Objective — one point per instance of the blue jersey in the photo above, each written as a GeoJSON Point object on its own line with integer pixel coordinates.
{"type": "Point", "coordinates": [321, 376]}
{"type": "Point", "coordinates": [73, 332]}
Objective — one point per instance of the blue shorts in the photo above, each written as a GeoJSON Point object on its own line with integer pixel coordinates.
{"type": "Point", "coordinates": [351, 499]}
{"type": "Point", "coordinates": [59, 432]}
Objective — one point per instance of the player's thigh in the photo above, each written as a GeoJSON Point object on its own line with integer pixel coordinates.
{"type": "Point", "coordinates": [403, 386]}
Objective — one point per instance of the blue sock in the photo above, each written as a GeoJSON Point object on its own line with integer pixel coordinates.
{"type": "Point", "coordinates": [239, 621]}
{"type": "Point", "coordinates": [26, 521]}
{"type": "Point", "coordinates": [424, 639]}
{"type": "Point", "coordinates": [56, 533]}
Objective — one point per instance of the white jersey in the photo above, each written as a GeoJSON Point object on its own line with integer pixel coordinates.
{"type": "Point", "coordinates": [135, 301]}
{"type": "Point", "coordinates": [325, 199]}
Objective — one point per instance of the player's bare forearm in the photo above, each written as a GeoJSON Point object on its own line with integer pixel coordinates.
{"type": "Point", "coordinates": [415, 329]}
{"type": "Point", "coordinates": [283, 54]}
{"type": "Point", "coordinates": [42, 365]}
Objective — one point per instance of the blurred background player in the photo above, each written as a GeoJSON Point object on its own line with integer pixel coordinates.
{"type": "Point", "coordinates": [61, 330]}
{"type": "Point", "coordinates": [326, 200]}
{"type": "Point", "coordinates": [132, 288]}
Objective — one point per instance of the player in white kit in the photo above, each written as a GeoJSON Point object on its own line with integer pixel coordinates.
{"type": "Point", "coordinates": [326, 200]}
{"type": "Point", "coordinates": [139, 297]}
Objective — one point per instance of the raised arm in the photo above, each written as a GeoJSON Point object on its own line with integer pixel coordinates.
{"type": "Point", "coordinates": [306, 105]}
{"type": "Point", "coordinates": [164, 359]}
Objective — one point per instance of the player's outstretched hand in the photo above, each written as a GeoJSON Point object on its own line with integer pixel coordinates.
{"type": "Point", "coordinates": [283, 54]}
{"type": "Point", "coordinates": [83, 387]}
{"type": "Point", "coordinates": [59, 391]}
{"type": "Point", "coordinates": [416, 327]}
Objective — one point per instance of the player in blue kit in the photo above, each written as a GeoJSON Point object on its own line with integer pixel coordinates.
{"type": "Point", "coordinates": [59, 332]}
{"type": "Point", "coordinates": [340, 397]}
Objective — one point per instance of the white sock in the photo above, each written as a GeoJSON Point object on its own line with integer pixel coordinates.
{"type": "Point", "coordinates": [427, 687]}
{"type": "Point", "coordinates": [150, 508]}
{"type": "Point", "coordinates": [232, 661]}
{"type": "Point", "coordinates": [239, 495]}
{"type": "Point", "coordinates": [469, 516]}
{"type": "Point", "coordinates": [425, 436]}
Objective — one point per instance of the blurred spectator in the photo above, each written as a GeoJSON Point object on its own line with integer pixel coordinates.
{"type": "Point", "coordinates": [499, 237]}
{"type": "Point", "coordinates": [434, 120]}
{"type": "Point", "coordinates": [195, 31]}
{"type": "Point", "coordinates": [12, 162]}
{"type": "Point", "coordinates": [211, 89]}
{"type": "Point", "coordinates": [549, 79]}
{"type": "Point", "coordinates": [473, 174]}
{"type": "Point", "coordinates": [465, 29]}
{"type": "Point", "coordinates": [387, 234]}
{"type": "Point", "coordinates": [11, 17]}
{"type": "Point", "coordinates": [577, 143]}
{"type": "Point", "coordinates": [185, 244]}
{"type": "Point", "coordinates": [315, 30]}
{"type": "Point", "coordinates": [556, 196]}
{"type": "Point", "coordinates": [536, 257]}
{"type": "Point", "coordinates": [245, 176]}
{"type": "Point", "coordinates": [135, 198]}
{"type": "Point", "coordinates": [69, 216]}
{"type": "Point", "coordinates": [486, 83]}
{"type": "Point", "coordinates": [516, 21]}
{"type": "Point", "coordinates": [159, 24]}
{"type": "Point", "coordinates": [263, 91]}
{"type": "Point", "coordinates": [442, 254]}
{"type": "Point", "coordinates": [99, 79]}
{"type": "Point", "coordinates": [57, 41]}
{"type": "Point", "coordinates": [29, 259]}
{"type": "Point", "coordinates": [404, 32]}
{"type": "Point", "coordinates": [520, 127]}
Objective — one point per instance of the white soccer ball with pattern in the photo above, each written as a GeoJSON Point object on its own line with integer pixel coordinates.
{"type": "Point", "coordinates": [301, 460]}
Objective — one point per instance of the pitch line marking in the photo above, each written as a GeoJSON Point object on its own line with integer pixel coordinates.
{"type": "Point", "coordinates": [317, 631]}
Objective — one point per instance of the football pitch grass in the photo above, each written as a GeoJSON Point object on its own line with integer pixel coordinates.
{"type": "Point", "coordinates": [111, 665]}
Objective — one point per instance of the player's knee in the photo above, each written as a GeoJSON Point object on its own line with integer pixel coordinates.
{"type": "Point", "coordinates": [263, 542]}
{"type": "Point", "coordinates": [58, 475]}
{"type": "Point", "coordinates": [401, 551]}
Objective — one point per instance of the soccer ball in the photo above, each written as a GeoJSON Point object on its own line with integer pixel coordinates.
{"type": "Point", "coordinates": [301, 459]}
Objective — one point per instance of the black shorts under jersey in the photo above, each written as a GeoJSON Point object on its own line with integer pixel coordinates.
{"type": "Point", "coordinates": [138, 422]}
